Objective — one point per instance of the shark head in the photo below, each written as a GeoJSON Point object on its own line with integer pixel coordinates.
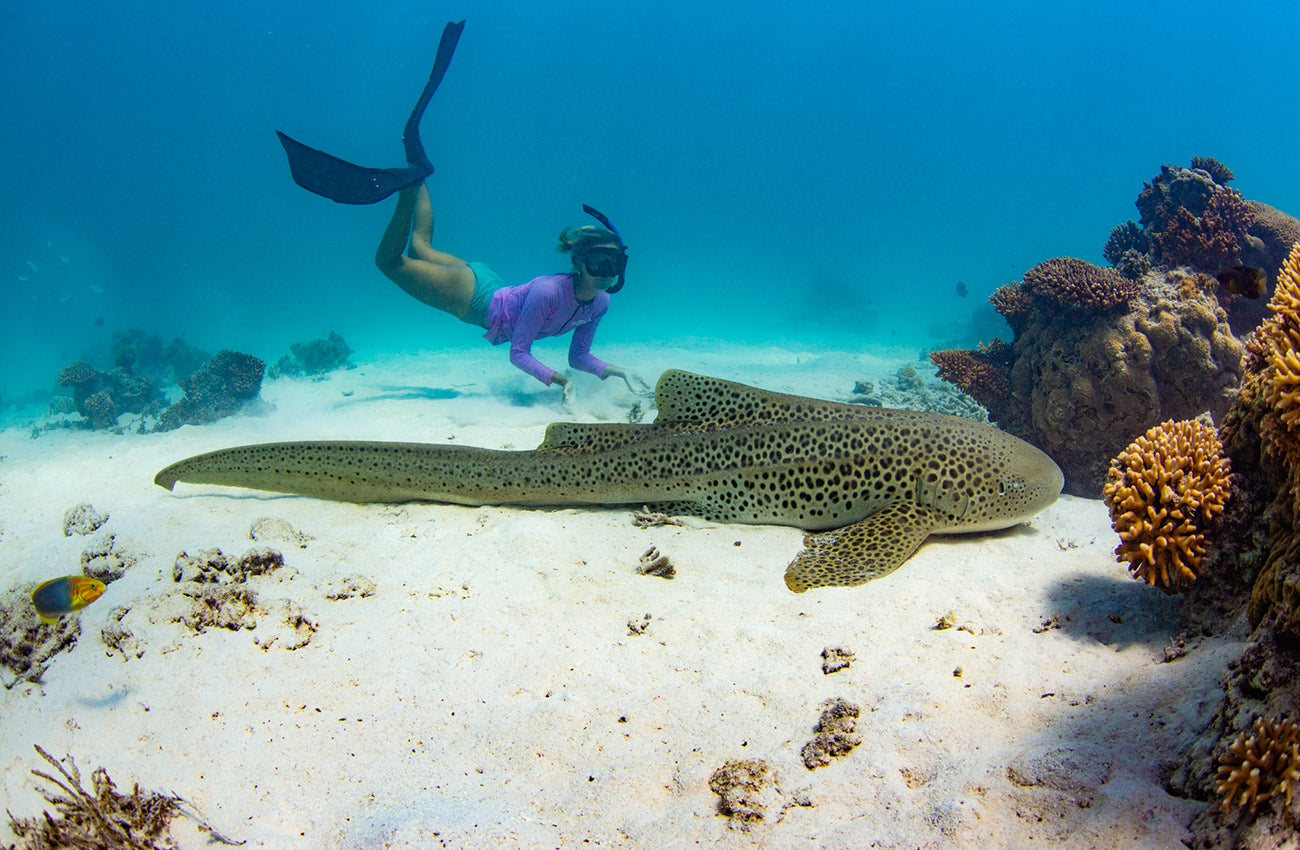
{"type": "Point", "coordinates": [1017, 482]}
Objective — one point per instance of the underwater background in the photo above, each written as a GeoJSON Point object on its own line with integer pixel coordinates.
{"type": "Point", "coordinates": [819, 172]}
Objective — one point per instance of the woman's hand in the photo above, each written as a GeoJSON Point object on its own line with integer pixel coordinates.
{"type": "Point", "coordinates": [635, 383]}
{"type": "Point", "coordinates": [566, 391]}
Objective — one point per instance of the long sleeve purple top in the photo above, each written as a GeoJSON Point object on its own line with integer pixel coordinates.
{"type": "Point", "coordinates": [546, 306]}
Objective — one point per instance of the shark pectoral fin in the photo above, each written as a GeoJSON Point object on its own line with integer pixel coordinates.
{"type": "Point", "coordinates": [867, 549]}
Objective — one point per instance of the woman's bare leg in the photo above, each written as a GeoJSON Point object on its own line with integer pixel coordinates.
{"type": "Point", "coordinates": [436, 278]}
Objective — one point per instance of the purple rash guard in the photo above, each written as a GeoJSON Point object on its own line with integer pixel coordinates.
{"type": "Point", "coordinates": [546, 306]}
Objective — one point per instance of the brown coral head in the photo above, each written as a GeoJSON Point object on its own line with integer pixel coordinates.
{"type": "Point", "coordinates": [1211, 241]}
{"type": "Point", "coordinates": [1161, 491]}
{"type": "Point", "coordinates": [1218, 172]}
{"type": "Point", "coordinates": [974, 373]}
{"type": "Point", "coordinates": [1076, 283]}
{"type": "Point", "coordinates": [75, 374]}
{"type": "Point", "coordinates": [1259, 764]}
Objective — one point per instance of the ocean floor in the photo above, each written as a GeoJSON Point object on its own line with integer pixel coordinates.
{"type": "Point", "coordinates": [439, 676]}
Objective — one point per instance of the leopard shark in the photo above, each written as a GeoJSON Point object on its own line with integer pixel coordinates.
{"type": "Point", "coordinates": [868, 485]}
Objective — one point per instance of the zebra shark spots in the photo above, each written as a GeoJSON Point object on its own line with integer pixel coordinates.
{"type": "Point", "coordinates": [867, 484]}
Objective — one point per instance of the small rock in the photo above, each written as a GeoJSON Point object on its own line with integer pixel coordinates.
{"type": "Point", "coordinates": [83, 519]}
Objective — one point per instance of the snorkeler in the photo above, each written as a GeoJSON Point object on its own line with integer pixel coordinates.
{"type": "Point", "coordinates": [550, 305]}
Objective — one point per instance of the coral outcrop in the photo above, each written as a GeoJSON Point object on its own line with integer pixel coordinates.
{"type": "Point", "coordinates": [982, 374]}
{"type": "Point", "coordinates": [1075, 283]}
{"type": "Point", "coordinates": [224, 385]}
{"type": "Point", "coordinates": [1083, 384]}
{"type": "Point", "coordinates": [1162, 491]}
{"type": "Point", "coordinates": [313, 357]}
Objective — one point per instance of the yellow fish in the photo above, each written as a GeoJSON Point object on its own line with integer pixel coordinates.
{"type": "Point", "coordinates": [60, 596]}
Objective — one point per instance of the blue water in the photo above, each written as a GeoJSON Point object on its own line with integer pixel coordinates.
{"type": "Point", "coordinates": [803, 171]}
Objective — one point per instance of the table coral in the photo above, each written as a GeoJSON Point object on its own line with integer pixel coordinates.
{"type": "Point", "coordinates": [1162, 491]}
{"type": "Point", "coordinates": [1260, 765]}
{"type": "Point", "coordinates": [1076, 283]}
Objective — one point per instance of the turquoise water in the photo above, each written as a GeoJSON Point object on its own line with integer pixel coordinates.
{"type": "Point", "coordinates": [786, 171]}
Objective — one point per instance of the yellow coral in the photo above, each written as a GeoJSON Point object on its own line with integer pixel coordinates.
{"type": "Point", "coordinates": [1161, 490]}
{"type": "Point", "coordinates": [1280, 339]}
{"type": "Point", "coordinates": [1261, 765]}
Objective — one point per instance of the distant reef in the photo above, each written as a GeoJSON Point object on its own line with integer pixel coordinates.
{"type": "Point", "coordinates": [1101, 354]}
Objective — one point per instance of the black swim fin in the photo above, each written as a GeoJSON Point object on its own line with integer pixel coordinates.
{"type": "Point", "coordinates": [346, 183]}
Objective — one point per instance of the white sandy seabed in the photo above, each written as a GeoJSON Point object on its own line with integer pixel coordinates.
{"type": "Point", "coordinates": [491, 691]}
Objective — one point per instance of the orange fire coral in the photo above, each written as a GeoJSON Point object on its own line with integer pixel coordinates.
{"type": "Point", "coordinates": [1161, 490]}
{"type": "Point", "coordinates": [1261, 765]}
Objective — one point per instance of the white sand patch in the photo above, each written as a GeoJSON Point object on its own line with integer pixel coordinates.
{"type": "Point", "coordinates": [490, 692]}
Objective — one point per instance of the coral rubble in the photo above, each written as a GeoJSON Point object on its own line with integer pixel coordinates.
{"type": "Point", "coordinates": [835, 734]}
{"type": "Point", "coordinates": [1162, 490]}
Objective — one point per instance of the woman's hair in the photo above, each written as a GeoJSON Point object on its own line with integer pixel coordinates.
{"type": "Point", "coordinates": [578, 240]}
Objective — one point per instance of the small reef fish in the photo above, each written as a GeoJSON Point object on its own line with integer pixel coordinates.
{"type": "Point", "coordinates": [1243, 280]}
{"type": "Point", "coordinates": [32, 265]}
{"type": "Point", "coordinates": [59, 596]}
{"type": "Point", "coordinates": [962, 291]}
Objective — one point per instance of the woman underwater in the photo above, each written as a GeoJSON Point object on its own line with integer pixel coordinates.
{"type": "Point", "coordinates": [550, 305]}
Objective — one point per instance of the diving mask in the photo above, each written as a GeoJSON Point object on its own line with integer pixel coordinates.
{"type": "Point", "coordinates": [604, 262]}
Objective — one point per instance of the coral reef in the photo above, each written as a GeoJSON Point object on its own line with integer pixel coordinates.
{"type": "Point", "coordinates": [313, 357]}
{"type": "Point", "coordinates": [1075, 283]}
{"type": "Point", "coordinates": [224, 385]}
{"type": "Point", "coordinates": [1260, 765]}
{"type": "Point", "coordinates": [1162, 491]}
{"type": "Point", "coordinates": [835, 734]}
{"type": "Point", "coordinates": [100, 397]}
{"type": "Point", "coordinates": [1218, 172]}
{"type": "Point", "coordinates": [1083, 384]}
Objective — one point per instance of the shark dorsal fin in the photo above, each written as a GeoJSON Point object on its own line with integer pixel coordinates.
{"type": "Point", "coordinates": [586, 437]}
{"type": "Point", "coordinates": [685, 399]}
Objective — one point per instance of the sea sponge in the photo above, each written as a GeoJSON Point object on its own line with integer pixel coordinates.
{"type": "Point", "coordinates": [1260, 765]}
{"type": "Point", "coordinates": [1076, 283]}
{"type": "Point", "coordinates": [1162, 490]}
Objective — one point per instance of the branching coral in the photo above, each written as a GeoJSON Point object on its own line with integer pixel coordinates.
{"type": "Point", "coordinates": [1014, 303]}
{"type": "Point", "coordinates": [1161, 492]}
{"type": "Point", "coordinates": [1218, 172]}
{"type": "Point", "coordinates": [1080, 284]}
{"type": "Point", "coordinates": [1278, 340]}
{"type": "Point", "coordinates": [1210, 241]}
{"type": "Point", "coordinates": [1261, 765]}
{"type": "Point", "coordinates": [974, 373]}
{"type": "Point", "coordinates": [102, 817]}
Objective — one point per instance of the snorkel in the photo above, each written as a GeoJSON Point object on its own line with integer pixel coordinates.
{"type": "Point", "coordinates": [622, 246]}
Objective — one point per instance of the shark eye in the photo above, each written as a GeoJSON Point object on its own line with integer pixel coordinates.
{"type": "Point", "coordinates": [1002, 488]}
